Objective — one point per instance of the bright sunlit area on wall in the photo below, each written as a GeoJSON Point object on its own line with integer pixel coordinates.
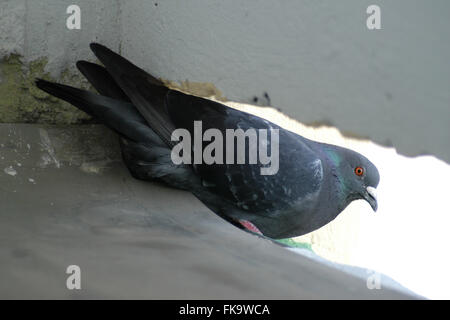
{"type": "Point", "coordinates": [407, 238]}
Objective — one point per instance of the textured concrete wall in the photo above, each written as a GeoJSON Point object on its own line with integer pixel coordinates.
{"type": "Point", "coordinates": [35, 42]}
{"type": "Point", "coordinates": [37, 29]}
{"type": "Point", "coordinates": [316, 61]}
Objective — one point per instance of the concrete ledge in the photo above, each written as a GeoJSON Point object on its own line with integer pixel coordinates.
{"type": "Point", "coordinates": [66, 198]}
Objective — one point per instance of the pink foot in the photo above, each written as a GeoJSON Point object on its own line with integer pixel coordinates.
{"type": "Point", "coordinates": [250, 226]}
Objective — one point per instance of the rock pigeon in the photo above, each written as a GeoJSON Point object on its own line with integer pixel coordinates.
{"type": "Point", "coordinates": [314, 181]}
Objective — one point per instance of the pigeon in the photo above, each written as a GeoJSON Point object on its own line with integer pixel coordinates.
{"type": "Point", "coordinates": [314, 181]}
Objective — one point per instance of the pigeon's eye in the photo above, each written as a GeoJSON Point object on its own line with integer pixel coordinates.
{"type": "Point", "coordinates": [359, 171]}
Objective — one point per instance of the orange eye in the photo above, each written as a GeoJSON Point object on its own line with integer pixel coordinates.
{"type": "Point", "coordinates": [359, 171]}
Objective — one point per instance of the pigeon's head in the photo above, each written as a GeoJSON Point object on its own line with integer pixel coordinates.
{"type": "Point", "coordinates": [358, 176]}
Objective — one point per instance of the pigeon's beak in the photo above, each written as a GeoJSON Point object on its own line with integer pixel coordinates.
{"type": "Point", "coordinates": [371, 197]}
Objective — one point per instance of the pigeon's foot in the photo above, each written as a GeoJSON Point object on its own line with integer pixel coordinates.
{"type": "Point", "coordinates": [250, 226]}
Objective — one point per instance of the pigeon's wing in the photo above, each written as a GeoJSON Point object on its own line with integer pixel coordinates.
{"type": "Point", "coordinates": [101, 80]}
{"type": "Point", "coordinates": [145, 91]}
{"type": "Point", "coordinates": [300, 169]}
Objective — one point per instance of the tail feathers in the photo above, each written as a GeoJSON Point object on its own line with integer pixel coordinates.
{"type": "Point", "coordinates": [69, 94]}
{"type": "Point", "coordinates": [120, 116]}
{"type": "Point", "coordinates": [145, 91]}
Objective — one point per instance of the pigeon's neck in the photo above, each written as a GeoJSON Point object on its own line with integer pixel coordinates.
{"type": "Point", "coordinates": [333, 159]}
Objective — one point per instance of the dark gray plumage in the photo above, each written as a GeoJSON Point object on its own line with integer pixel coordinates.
{"type": "Point", "coordinates": [315, 181]}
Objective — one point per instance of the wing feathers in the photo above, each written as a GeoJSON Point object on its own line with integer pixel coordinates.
{"type": "Point", "coordinates": [145, 91]}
